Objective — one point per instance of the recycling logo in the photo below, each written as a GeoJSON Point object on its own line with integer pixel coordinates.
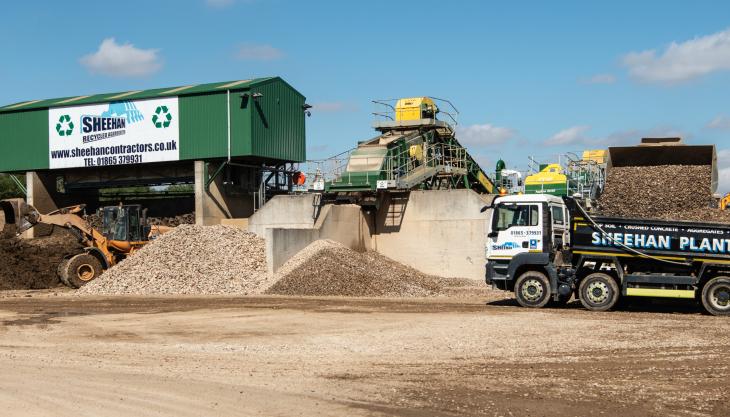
{"type": "Point", "coordinates": [162, 117]}
{"type": "Point", "coordinates": [65, 127]}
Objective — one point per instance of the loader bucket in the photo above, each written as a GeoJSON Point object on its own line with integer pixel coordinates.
{"type": "Point", "coordinates": [664, 151]}
{"type": "Point", "coordinates": [19, 214]}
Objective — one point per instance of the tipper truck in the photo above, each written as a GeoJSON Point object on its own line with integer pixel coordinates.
{"type": "Point", "coordinates": [547, 248]}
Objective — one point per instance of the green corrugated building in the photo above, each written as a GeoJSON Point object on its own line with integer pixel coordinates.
{"type": "Point", "coordinates": [235, 141]}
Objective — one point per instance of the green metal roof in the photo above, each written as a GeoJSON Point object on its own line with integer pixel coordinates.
{"type": "Point", "coordinates": [136, 95]}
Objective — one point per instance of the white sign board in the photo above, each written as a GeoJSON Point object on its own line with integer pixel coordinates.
{"type": "Point", "coordinates": [118, 133]}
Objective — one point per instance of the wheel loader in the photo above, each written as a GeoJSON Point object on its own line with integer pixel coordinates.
{"type": "Point", "coordinates": [124, 230]}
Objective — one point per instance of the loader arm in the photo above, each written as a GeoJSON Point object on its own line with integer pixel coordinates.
{"type": "Point", "coordinates": [25, 216]}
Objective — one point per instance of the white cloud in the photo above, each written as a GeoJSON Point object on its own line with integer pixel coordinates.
{"type": "Point", "coordinates": [122, 60]}
{"type": "Point", "coordinates": [600, 79]}
{"type": "Point", "coordinates": [720, 122]}
{"type": "Point", "coordinates": [569, 136]}
{"type": "Point", "coordinates": [253, 52]}
{"type": "Point", "coordinates": [484, 134]}
{"type": "Point", "coordinates": [681, 61]}
{"type": "Point", "coordinates": [334, 107]}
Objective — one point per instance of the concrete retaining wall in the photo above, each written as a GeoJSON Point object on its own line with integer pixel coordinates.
{"type": "Point", "coordinates": [283, 211]}
{"type": "Point", "coordinates": [437, 232]}
{"type": "Point", "coordinates": [343, 223]}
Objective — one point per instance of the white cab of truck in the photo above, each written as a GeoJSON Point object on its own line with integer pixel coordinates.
{"type": "Point", "coordinates": [527, 223]}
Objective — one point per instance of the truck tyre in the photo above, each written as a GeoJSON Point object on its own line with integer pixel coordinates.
{"type": "Point", "coordinates": [61, 271]}
{"type": "Point", "coordinates": [598, 292]}
{"type": "Point", "coordinates": [716, 296]}
{"type": "Point", "coordinates": [81, 269]}
{"type": "Point", "coordinates": [532, 289]}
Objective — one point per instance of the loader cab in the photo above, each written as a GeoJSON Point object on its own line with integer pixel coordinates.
{"type": "Point", "coordinates": [527, 223]}
{"type": "Point", "coordinates": [124, 223]}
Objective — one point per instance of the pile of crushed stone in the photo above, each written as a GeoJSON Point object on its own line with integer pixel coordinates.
{"type": "Point", "coordinates": [190, 259]}
{"type": "Point", "coordinates": [327, 268]}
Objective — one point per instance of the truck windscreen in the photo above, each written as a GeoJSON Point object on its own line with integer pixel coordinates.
{"type": "Point", "coordinates": [507, 216]}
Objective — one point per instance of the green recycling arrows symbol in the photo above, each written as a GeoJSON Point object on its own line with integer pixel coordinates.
{"type": "Point", "coordinates": [65, 127]}
{"type": "Point", "coordinates": [162, 117]}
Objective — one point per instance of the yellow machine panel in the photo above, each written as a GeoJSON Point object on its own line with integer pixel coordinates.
{"type": "Point", "coordinates": [598, 156]}
{"type": "Point", "coordinates": [551, 174]}
{"type": "Point", "coordinates": [415, 108]}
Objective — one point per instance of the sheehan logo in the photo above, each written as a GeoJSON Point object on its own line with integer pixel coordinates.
{"type": "Point", "coordinates": [64, 127]}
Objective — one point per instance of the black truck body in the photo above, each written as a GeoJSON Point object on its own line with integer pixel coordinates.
{"type": "Point", "coordinates": [649, 258]}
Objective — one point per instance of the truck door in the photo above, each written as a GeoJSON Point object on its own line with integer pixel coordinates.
{"type": "Point", "coordinates": [561, 236]}
{"type": "Point", "coordinates": [516, 228]}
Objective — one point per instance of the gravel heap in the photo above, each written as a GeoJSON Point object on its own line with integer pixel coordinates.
{"type": "Point", "coordinates": [666, 192]}
{"type": "Point", "coordinates": [189, 218]}
{"type": "Point", "coordinates": [29, 264]}
{"type": "Point", "coordinates": [190, 260]}
{"type": "Point", "coordinates": [174, 221]}
{"type": "Point", "coordinates": [326, 268]}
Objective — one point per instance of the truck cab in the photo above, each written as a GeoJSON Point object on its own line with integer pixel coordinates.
{"type": "Point", "coordinates": [529, 229]}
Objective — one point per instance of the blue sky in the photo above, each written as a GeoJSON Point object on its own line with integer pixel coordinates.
{"type": "Point", "coordinates": [529, 78]}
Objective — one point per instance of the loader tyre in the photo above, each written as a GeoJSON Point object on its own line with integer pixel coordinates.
{"type": "Point", "coordinates": [599, 292]}
{"type": "Point", "coordinates": [532, 289]}
{"type": "Point", "coordinates": [81, 269]}
{"type": "Point", "coordinates": [61, 271]}
{"type": "Point", "coordinates": [716, 296]}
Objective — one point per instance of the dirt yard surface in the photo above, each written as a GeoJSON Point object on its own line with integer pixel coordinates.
{"type": "Point", "coordinates": [64, 355]}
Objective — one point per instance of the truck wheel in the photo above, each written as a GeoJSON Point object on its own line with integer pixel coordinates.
{"type": "Point", "coordinates": [598, 292]}
{"type": "Point", "coordinates": [532, 289]}
{"type": "Point", "coordinates": [716, 296]}
{"type": "Point", "coordinates": [81, 269]}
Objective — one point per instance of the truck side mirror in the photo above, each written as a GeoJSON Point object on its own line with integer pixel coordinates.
{"type": "Point", "coordinates": [485, 208]}
{"type": "Point", "coordinates": [492, 234]}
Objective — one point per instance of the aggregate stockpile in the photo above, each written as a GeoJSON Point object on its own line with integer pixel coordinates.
{"type": "Point", "coordinates": [28, 264]}
{"type": "Point", "coordinates": [225, 260]}
{"type": "Point", "coordinates": [326, 268]}
{"type": "Point", "coordinates": [189, 260]}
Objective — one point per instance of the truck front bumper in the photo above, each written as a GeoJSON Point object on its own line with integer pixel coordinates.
{"type": "Point", "coordinates": [496, 274]}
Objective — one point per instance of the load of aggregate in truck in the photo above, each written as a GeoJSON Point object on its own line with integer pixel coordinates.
{"type": "Point", "coordinates": [190, 260]}
{"type": "Point", "coordinates": [666, 192]}
{"type": "Point", "coordinates": [326, 268]}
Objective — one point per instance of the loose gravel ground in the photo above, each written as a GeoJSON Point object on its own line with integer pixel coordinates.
{"type": "Point", "coordinates": [335, 356]}
{"type": "Point", "coordinates": [190, 260]}
{"type": "Point", "coordinates": [327, 268]}
{"type": "Point", "coordinates": [667, 192]}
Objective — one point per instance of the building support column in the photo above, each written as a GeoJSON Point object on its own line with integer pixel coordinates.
{"type": "Point", "coordinates": [217, 203]}
{"type": "Point", "coordinates": [40, 195]}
